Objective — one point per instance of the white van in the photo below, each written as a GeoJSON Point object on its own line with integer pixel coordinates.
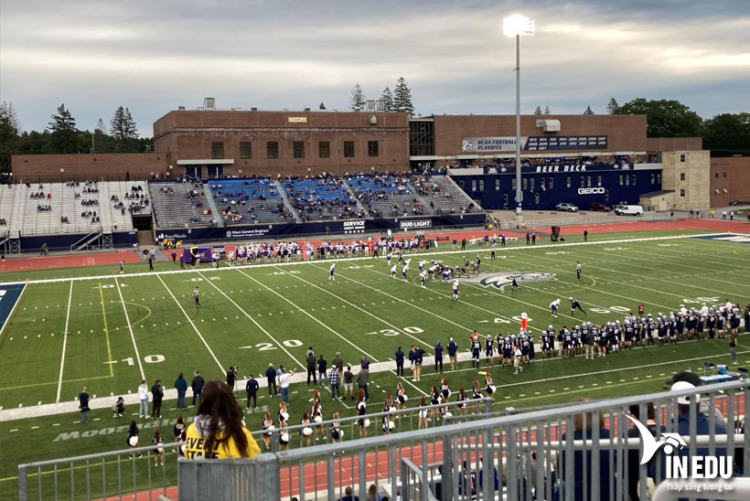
{"type": "Point", "coordinates": [629, 210]}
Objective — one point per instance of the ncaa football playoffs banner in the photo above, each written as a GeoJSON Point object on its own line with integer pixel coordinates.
{"type": "Point", "coordinates": [501, 144]}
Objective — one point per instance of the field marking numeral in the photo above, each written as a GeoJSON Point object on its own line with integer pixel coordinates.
{"type": "Point", "coordinates": [699, 300]}
{"type": "Point", "coordinates": [395, 332]}
{"type": "Point", "coordinates": [149, 359]}
{"type": "Point", "coordinates": [501, 321]}
{"type": "Point", "coordinates": [611, 309]}
{"type": "Point", "coordinates": [289, 343]}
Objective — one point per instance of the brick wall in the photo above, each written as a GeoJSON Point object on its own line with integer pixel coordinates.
{"type": "Point", "coordinates": [732, 175]}
{"type": "Point", "coordinates": [102, 167]}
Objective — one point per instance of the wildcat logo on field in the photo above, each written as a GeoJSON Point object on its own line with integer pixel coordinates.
{"type": "Point", "coordinates": [500, 280]}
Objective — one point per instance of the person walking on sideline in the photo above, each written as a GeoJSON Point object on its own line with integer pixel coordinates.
{"type": "Point", "coordinates": [83, 404]}
{"type": "Point", "coordinates": [197, 386]}
{"type": "Point", "coordinates": [196, 299]}
{"type": "Point", "coordinates": [273, 390]}
{"type": "Point", "coordinates": [181, 386]}
{"type": "Point", "coordinates": [251, 388]}
{"type": "Point", "coordinates": [143, 397]}
{"type": "Point", "coordinates": [157, 392]}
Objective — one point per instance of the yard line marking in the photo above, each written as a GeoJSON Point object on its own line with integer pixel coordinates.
{"type": "Point", "coordinates": [190, 321]}
{"type": "Point", "coordinates": [130, 328]}
{"type": "Point", "coordinates": [312, 317]}
{"type": "Point", "coordinates": [106, 332]}
{"type": "Point", "coordinates": [65, 344]}
{"type": "Point", "coordinates": [280, 345]}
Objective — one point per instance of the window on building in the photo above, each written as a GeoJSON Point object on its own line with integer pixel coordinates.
{"type": "Point", "coordinates": [497, 184]}
{"type": "Point", "coordinates": [627, 180]}
{"type": "Point", "coordinates": [524, 184]}
{"type": "Point", "coordinates": [549, 183]}
{"type": "Point", "coordinates": [536, 197]}
{"type": "Point", "coordinates": [633, 181]}
{"type": "Point", "coordinates": [513, 184]}
{"type": "Point", "coordinates": [461, 184]}
{"type": "Point", "coordinates": [217, 150]}
{"type": "Point", "coordinates": [682, 192]}
{"type": "Point", "coordinates": [583, 181]}
{"type": "Point", "coordinates": [724, 174]}
{"type": "Point", "coordinates": [682, 157]}
{"type": "Point", "coordinates": [473, 185]}
{"type": "Point", "coordinates": [716, 191]}
{"type": "Point", "coordinates": [541, 184]}
{"type": "Point", "coordinates": [246, 150]}
{"type": "Point", "coordinates": [653, 178]}
{"type": "Point", "coordinates": [505, 200]}
{"type": "Point", "coordinates": [324, 149]}
{"type": "Point", "coordinates": [599, 180]}
{"type": "Point", "coordinates": [621, 180]}
{"type": "Point", "coordinates": [588, 181]}
{"type": "Point", "coordinates": [606, 195]}
{"type": "Point", "coordinates": [569, 181]}
{"type": "Point", "coordinates": [682, 176]}
{"type": "Point", "coordinates": [272, 149]}
{"type": "Point", "coordinates": [531, 184]}
{"type": "Point", "coordinates": [349, 149]}
{"type": "Point", "coordinates": [298, 149]}
{"type": "Point", "coordinates": [373, 149]}
{"type": "Point", "coordinates": [716, 175]}
{"type": "Point", "coordinates": [481, 185]}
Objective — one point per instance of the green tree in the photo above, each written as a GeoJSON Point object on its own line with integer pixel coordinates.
{"type": "Point", "coordinates": [547, 111]}
{"type": "Point", "coordinates": [613, 108]}
{"type": "Point", "coordinates": [387, 99]}
{"type": "Point", "coordinates": [666, 117]}
{"type": "Point", "coordinates": [538, 111]}
{"type": "Point", "coordinates": [124, 131]}
{"type": "Point", "coordinates": [727, 134]}
{"type": "Point", "coordinates": [10, 140]}
{"type": "Point", "coordinates": [64, 132]}
{"type": "Point", "coordinates": [402, 97]}
{"type": "Point", "coordinates": [322, 105]}
{"type": "Point", "coordinates": [358, 98]}
{"type": "Point", "coordinates": [588, 111]}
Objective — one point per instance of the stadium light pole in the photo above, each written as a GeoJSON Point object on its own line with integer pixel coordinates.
{"type": "Point", "coordinates": [518, 26]}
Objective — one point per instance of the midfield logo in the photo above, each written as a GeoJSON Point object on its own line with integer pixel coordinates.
{"type": "Point", "coordinates": [501, 280]}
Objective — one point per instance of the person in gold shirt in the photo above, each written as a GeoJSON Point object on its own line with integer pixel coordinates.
{"type": "Point", "coordinates": [218, 431]}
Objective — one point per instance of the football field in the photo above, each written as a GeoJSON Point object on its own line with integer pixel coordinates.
{"type": "Point", "coordinates": [108, 332]}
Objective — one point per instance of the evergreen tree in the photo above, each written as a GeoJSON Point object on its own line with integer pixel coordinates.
{"type": "Point", "coordinates": [402, 97]}
{"type": "Point", "coordinates": [64, 132]}
{"type": "Point", "coordinates": [387, 99]}
{"type": "Point", "coordinates": [538, 111]}
{"type": "Point", "coordinates": [358, 98]}
{"type": "Point", "coordinates": [10, 140]}
{"type": "Point", "coordinates": [588, 111]}
{"type": "Point", "coordinates": [124, 131]}
{"type": "Point", "coordinates": [322, 106]}
{"type": "Point", "coordinates": [100, 127]}
{"type": "Point", "coordinates": [546, 111]}
{"type": "Point", "coordinates": [613, 108]}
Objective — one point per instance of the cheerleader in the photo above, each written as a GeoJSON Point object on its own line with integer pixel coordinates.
{"type": "Point", "coordinates": [158, 443]}
{"type": "Point", "coordinates": [461, 399]}
{"type": "Point", "coordinates": [317, 417]}
{"type": "Point", "coordinates": [434, 400]}
{"type": "Point", "coordinates": [283, 436]}
{"type": "Point", "coordinates": [390, 405]}
{"type": "Point", "coordinates": [401, 397]}
{"type": "Point", "coordinates": [423, 413]}
{"type": "Point", "coordinates": [361, 411]}
{"type": "Point", "coordinates": [476, 395]}
{"type": "Point", "coordinates": [267, 425]}
{"type": "Point", "coordinates": [337, 432]}
{"type": "Point", "coordinates": [445, 392]}
{"type": "Point", "coordinates": [283, 412]}
{"type": "Point", "coordinates": [305, 432]}
{"type": "Point", "coordinates": [387, 423]}
{"type": "Point", "coordinates": [133, 438]}
{"type": "Point", "coordinates": [489, 388]}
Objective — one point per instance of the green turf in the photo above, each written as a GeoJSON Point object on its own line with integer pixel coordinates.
{"type": "Point", "coordinates": [125, 327]}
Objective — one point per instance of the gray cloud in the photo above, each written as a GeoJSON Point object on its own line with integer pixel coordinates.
{"type": "Point", "coordinates": [153, 56]}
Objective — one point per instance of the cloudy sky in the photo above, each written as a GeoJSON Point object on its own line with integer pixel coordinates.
{"type": "Point", "coordinates": [154, 55]}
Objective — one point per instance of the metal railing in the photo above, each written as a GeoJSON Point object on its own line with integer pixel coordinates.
{"type": "Point", "coordinates": [530, 456]}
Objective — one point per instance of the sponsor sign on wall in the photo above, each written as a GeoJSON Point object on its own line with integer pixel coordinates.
{"type": "Point", "coordinates": [409, 225]}
{"type": "Point", "coordinates": [490, 144]}
{"type": "Point", "coordinates": [592, 191]}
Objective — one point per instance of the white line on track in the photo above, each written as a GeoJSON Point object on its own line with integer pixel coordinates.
{"type": "Point", "coordinates": [65, 344]}
{"type": "Point", "coordinates": [190, 321]}
{"type": "Point", "coordinates": [130, 328]}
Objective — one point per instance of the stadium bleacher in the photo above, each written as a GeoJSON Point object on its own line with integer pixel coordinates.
{"type": "Point", "coordinates": [323, 197]}
{"type": "Point", "coordinates": [180, 205]}
{"type": "Point", "coordinates": [249, 201]}
{"type": "Point", "coordinates": [386, 195]}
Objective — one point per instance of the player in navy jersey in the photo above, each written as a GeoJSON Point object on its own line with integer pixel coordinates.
{"type": "Point", "coordinates": [575, 305]}
{"type": "Point", "coordinates": [489, 349]}
{"type": "Point", "coordinates": [475, 348]}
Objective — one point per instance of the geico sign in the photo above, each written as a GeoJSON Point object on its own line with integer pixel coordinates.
{"type": "Point", "coordinates": [591, 191]}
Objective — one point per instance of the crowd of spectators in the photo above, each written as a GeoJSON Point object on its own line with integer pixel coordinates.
{"type": "Point", "coordinates": [322, 197]}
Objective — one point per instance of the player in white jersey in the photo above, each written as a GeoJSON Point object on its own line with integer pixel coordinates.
{"type": "Point", "coordinates": [332, 272]}
{"type": "Point", "coordinates": [393, 271]}
{"type": "Point", "coordinates": [422, 278]}
{"type": "Point", "coordinates": [455, 290]}
{"type": "Point", "coordinates": [554, 306]}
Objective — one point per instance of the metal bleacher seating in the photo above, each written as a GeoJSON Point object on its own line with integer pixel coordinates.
{"type": "Point", "coordinates": [179, 204]}
{"type": "Point", "coordinates": [445, 197]}
{"type": "Point", "coordinates": [6, 208]}
{"type": "Point", "coordinates": [249, 201]}
{"type": "Point", "coordinates": [321, 198]}
{"type": "Point", "coordinates": [385, 195]}
{"type": "Point", "coordinates": [126, 198]}
{"type": "Point", "coordinates": [50, 208]}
